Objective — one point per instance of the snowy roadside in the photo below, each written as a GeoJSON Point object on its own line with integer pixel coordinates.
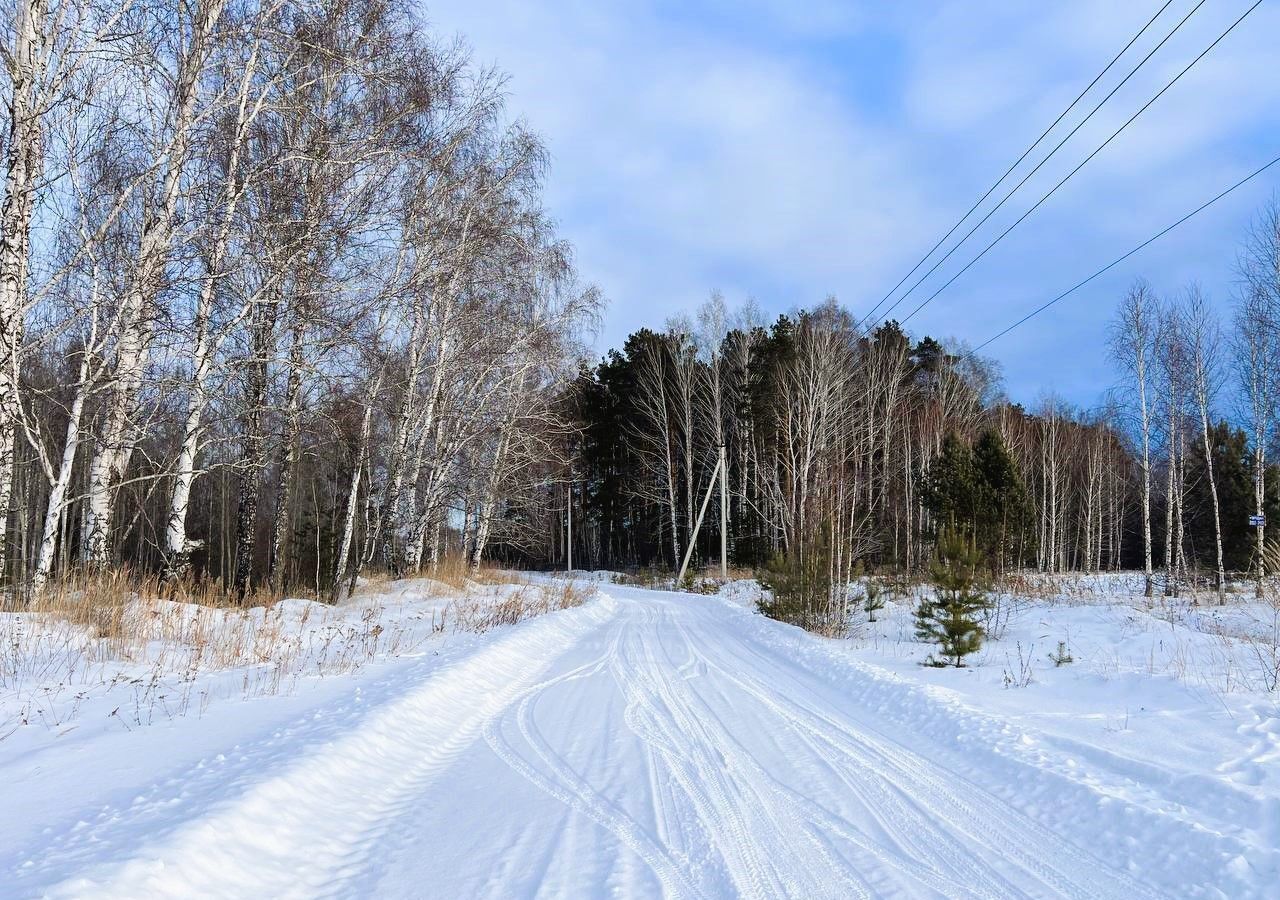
{"type": "Point", "coordinates": [106, 716]}
{"type": "Point", "coordinates": [1161, 705]}
{"type": "Point", "coordinates": [658, 741]}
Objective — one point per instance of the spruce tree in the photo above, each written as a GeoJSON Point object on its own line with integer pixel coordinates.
{"type": "Point", "coordinates": [1001, 502]}
{"type": "Point", "coordinates": [950, 489]}
{"type": "Point", "coordinates": [952, 617]}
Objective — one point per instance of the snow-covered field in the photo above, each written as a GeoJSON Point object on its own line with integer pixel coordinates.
{"type": "Point", "coordinates": [644, 743]}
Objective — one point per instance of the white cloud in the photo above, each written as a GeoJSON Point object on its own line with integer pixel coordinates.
{"type": "Point", "coordinates": [740, 146]}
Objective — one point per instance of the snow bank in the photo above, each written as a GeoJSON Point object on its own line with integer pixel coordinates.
{"type": "Point", "coordinates": [159, 660]}
{"type": "Point", "coordinates": [1166, 711]}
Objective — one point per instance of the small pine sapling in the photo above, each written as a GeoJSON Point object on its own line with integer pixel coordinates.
{"type": "Point", "coordinates": [1062, 656]}
{"type": "Point", "coordinates": [798, 589]}
{"type": "Point", "coordinates": [952, 617]}
{"type": "Point", "coordinates": [872, 600]}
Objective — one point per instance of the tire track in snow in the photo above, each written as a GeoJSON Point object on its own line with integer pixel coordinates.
{"type": "Point", "coordinates": [746, 775]}
{"type": "Point", "coordinates": [1006, 833]}
{"type": "Point", "coordinates": [302, 832]}
{"type": "Point", "coordinates": [759, 849]}
{"type": "Point", "coordinates": [915, 837]}
{"type": "Point", "coordinates": [872, 850]}
{"type": "Point", "coordinates": [552, 775]}
{"type": "Point", "coordinates": [684, 758]}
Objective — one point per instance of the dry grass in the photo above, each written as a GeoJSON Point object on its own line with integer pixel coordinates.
{"type": "Point", "coordinates": [454, 570]}
{"type": "Point", "coordinates": [154, 647]}
{"type": "Point", "coordinates": [83, 597]}
{"type": "Point", "coordinates": [652, 578]}
{"type": "Point", "coordinates": [705, 580]}
{"type": "Point", "coordinates": [1242, 650]}
{"type": "Point", "coordinates": [451, 575]}
{"type": "Point", "coordinates": [122, 616]}
{"type": "Point", "coordinates": [151, 646]}
{"type": "Point", "coordinates": [523, 601]}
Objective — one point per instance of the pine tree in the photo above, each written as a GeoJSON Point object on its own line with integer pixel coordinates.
{"type": "Point", "coordinates": [950, 489]}
{"type": "Point", "coordinates": [1233, 472]}
{"type": "Point", "coordinates": [1001, 498]}
{"type": "Point", "coordinates": [872, 600]}
{"type": "Point", "coordinates": [951, 618]}
{"type": "Point", "coordinates": [799, 587]}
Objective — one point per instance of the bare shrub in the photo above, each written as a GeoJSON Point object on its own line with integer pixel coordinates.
{"type": "Point", "coordinates": [1021, 673]}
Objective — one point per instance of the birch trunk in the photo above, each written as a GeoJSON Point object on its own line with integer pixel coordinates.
{"type": "Point", "coordinates": [56, 508]}
{"type": "Point", "coordinates": [207, 344]}
{"type": "Point", "coordinates": [1168, 510]}
{"type": "Point", "coordinates": [288, 464]}
{"type": "Point", "coordinates": [398, 461]}
{"type": "Point", "coordinates": [485, 506]}
{"type": "Point", "coordinates": [1259, 495]}
{"type": "Point", "coordinates": [178, 546]}
{"type": "Point", "coordinates": [252, 458]}
{"type": "Point", "coordinates": [27, 64]}
{"type": "Point", "coordinates": [345, 574]}
{"type": "Point", "coordinates": [1145, 462]}
{"type": "Point", "coordinates": [117, 440]}
{"type": "Point", "coordinates": [1220, 583]}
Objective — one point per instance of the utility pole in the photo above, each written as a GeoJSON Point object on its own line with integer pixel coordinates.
{"type": "Point", "coordinates": [721, 473]}
{"type": "Point", "coordinates": [568, 540]}
{"type": "Point", "coordinates": [724, 515]}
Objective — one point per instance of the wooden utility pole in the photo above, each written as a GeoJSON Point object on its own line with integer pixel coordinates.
{"type": "Point", "coordinates": [721, 473]}
{"type": "Point", "coordinates": [724, 515]}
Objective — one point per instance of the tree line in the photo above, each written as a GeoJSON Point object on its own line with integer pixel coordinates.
{"type": "Point", "coordinates": [279, 299]}
{"type": "Point", "coordinates": [850, 445]}
{"type": "Point", "coordinates": [852, 449]}
{"type": "Point", "coordinates": [280, 302]}
{"type": "Point", "coordinates": [1200, 401]}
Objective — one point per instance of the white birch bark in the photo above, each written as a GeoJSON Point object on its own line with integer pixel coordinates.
{"type": "Point", "coordinates": [345, 572]}
{"type": "Point", "coordinates": [56, 509]}
{"type": "Point", "coordinates": [208, 340]}
{"type": "Point", "coordinates": [26, 62]}
{"type": "Point", "coordinates": [118, 437]}
{"type": "Point", "coordinates": [1204, 345]}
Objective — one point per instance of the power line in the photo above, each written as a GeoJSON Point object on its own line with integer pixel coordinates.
{"type": "Point", "coordinates": [1084, 162]}
{"type": "Point", "coordinates": [1025, 153]}
{"type": "Point", "coordinates": [1111, 265]}
{"type": "Point", "coordinates": [1028, 176]}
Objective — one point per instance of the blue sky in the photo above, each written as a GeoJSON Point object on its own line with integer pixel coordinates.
{"type": "Point", "coordinates": [787, 151]}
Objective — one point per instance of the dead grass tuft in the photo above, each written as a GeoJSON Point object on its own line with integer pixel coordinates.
{"type": "Point", "coordinates": [155, 643]}
{"type": "Point", "coordinates": [452, 569]}
{"type": "Point", "coordinates": [484, 609]}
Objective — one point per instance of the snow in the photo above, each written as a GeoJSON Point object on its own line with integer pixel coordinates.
{"type": "Point", "coordinates": [1168, 690]}
{"type": "Point", "coordinates": [645, 743]}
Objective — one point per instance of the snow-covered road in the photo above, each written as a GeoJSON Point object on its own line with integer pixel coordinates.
{"type": "Point", "coordinates": [645, 744]}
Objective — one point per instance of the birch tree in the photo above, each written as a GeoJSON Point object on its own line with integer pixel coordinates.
{"type": "Point", "coordinates": [26, 59]}
{"type": "Point", "coordinates": [1132, 339]}
{"type": "Point", "coordinates": [179, 67]}
{"type": "Point", "coordinates": [51, 63]}
{"type": "Point", "coordinates": [1173, 364]}
{"type": "Point", "coordinates": [1257, 339]}
{"type": "Point", "coordinates": [1203, 340]}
